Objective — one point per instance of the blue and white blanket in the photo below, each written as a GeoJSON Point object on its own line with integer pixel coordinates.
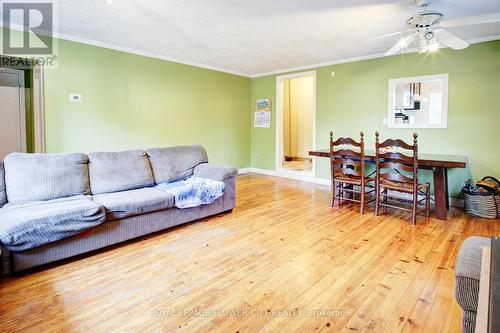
{"type": "Point", "coordinates": [193, 191]}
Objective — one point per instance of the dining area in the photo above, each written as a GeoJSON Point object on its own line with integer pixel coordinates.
{"type": "Point", "coordinates": [393, 171]}
{"type": "Point", "coordinates": [386, 176]}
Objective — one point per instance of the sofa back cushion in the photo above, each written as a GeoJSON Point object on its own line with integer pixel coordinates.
{"type": "Point", "coordinates": [3, 196]}
{"type": "Point", "coordinates": [119, 171]}
{"type": "Point", "coordinates": [38, 177]}
{"type": "Point", "coordinates": [175, 163]}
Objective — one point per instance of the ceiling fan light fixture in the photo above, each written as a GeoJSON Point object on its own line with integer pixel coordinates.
{"type": "Point", "coordinates": [433, 47]}
{"type": "Point", "coordinates": [429, 47]}
{"type": "Point", "coordinates": [428, 30]}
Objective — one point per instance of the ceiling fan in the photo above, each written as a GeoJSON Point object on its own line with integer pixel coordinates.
{"type": "Point", "coordinates": [428, 29]}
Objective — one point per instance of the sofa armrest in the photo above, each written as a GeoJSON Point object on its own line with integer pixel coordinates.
{"type": "Point", "coordinates": [468, 272]}
{"type": "Point", "coordinates": [215, 172]}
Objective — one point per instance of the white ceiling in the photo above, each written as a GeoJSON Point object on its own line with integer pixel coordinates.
{"type": "Point", "coordinates": [252, 37]}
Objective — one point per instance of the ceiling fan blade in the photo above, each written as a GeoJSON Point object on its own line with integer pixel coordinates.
{"type": "Point", "coordinates": [392, 34]}
{"type": "Point", "coordinates": [403, 43]}
{"type": "Point", "coordinates": [450, 40]}
{"type": "Point", "coordinates": [471, 20]}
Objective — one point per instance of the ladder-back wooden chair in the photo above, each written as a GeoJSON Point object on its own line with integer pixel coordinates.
{"type": "Point", "coordinates": [348, 170]}
{"type": "Point", "coordinates": [397, 172]}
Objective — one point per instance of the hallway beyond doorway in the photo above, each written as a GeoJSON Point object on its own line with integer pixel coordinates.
{"type": "Point", "coordinates": [296, 108]}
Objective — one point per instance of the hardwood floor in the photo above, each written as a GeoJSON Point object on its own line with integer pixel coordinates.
{"type": "Point", "coordinates": [283, 261]}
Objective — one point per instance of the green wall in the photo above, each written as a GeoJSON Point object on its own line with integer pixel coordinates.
{"type": "Point", "coordinates": [356, 99]}
{"type": "Point", "coordinates": [131, 101]}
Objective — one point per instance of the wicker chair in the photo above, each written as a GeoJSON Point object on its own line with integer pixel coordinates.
{"type": "Point", "coordinates": [348, 170]}
{"type": "Point", "coordinates": [397, 172]}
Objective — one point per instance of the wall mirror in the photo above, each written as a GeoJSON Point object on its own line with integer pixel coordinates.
{"type": "Point", "coordinates": [418, 102]}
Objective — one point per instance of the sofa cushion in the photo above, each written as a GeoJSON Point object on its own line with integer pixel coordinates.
{"type": "Point", "coordinates": [38, 177]}
{"type": "Point", "coordinates": [468, 272]}
{"type": "Point", "coordinates": [215, 172]}
{"type": "Point", "coordinates": [28, 225]}
{"type": "Point", "coordinates": [175, 163]}
{"type": "Point", "coordinates": [119, 205]}
{"type": "Point", "coordinates": [3, 196]}
{"type": "Point", "coordinates": [119, 171]}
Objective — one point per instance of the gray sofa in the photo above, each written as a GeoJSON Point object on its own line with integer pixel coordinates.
{"type": "Point", "coordinates": [467, 276]}
{"type": "Point", "coordinates": [95, 200]}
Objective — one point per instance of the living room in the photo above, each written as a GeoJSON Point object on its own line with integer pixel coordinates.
{"type": "Point", "coordinates": [148, 180]}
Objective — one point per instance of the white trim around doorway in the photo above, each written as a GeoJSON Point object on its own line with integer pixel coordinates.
{"type": "Point", "coordinates": [279, 127]}
{"type": "Point", "coordinates": [22, 104]}
{"type": "Point", "coordinates": [38, 110]}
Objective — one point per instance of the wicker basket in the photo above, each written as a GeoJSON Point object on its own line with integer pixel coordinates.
{"type": "Point", "coordinates": [497, 199]}
{"type": "Point", "coordinates": [482, 204]}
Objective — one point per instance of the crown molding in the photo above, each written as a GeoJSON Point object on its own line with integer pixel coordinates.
{"type": "Point", "coordinates": [149, 54]}
{"type": "Point", "coordinates": [361, 58]}
{"type": "Point", "coordinates": [230, 71]}
{"type": "Point", "coordinates": [114, 47]}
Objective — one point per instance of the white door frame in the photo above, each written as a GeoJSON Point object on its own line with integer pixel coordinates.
{"type": "Point", "coordinates": [279, 126]}
{"type": "Point", "coordinates": [38, 110]}
{"type": "Point", "coordinates": [22, 103]}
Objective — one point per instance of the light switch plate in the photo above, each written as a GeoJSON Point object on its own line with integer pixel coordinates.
{"type": "Point", "coordinates": [75, 98]}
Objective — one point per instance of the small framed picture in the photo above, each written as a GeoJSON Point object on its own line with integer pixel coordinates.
{"type": "Point", "coordinates": [263, 104]}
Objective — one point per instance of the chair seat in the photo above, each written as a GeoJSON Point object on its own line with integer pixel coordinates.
{"type": "Point", "coordinates": [401, 186]}
{"type": "Point", "coordinates": [349, 179]}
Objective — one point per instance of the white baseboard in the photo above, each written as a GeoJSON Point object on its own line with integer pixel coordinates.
{"type": "Point", "coordinates": [242, 171]}
{"type": "Point", "coordinates": [454, 202]}
{"type": "Point", "coordinates": [290, 175]}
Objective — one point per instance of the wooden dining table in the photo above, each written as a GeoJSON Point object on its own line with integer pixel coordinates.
{"type": "Point", "coordinates": [438, 163]}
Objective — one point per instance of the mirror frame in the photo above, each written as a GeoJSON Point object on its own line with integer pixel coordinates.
{"type": "Point", "coordinates": [391, 100]}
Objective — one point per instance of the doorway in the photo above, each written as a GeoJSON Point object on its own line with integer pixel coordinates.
{"type": "Point", "coordinates": [296, 114]}
{"type": "Point", "coordinates": [22, 121]}
{"type": "Point", "coordinates": [12, 112]}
